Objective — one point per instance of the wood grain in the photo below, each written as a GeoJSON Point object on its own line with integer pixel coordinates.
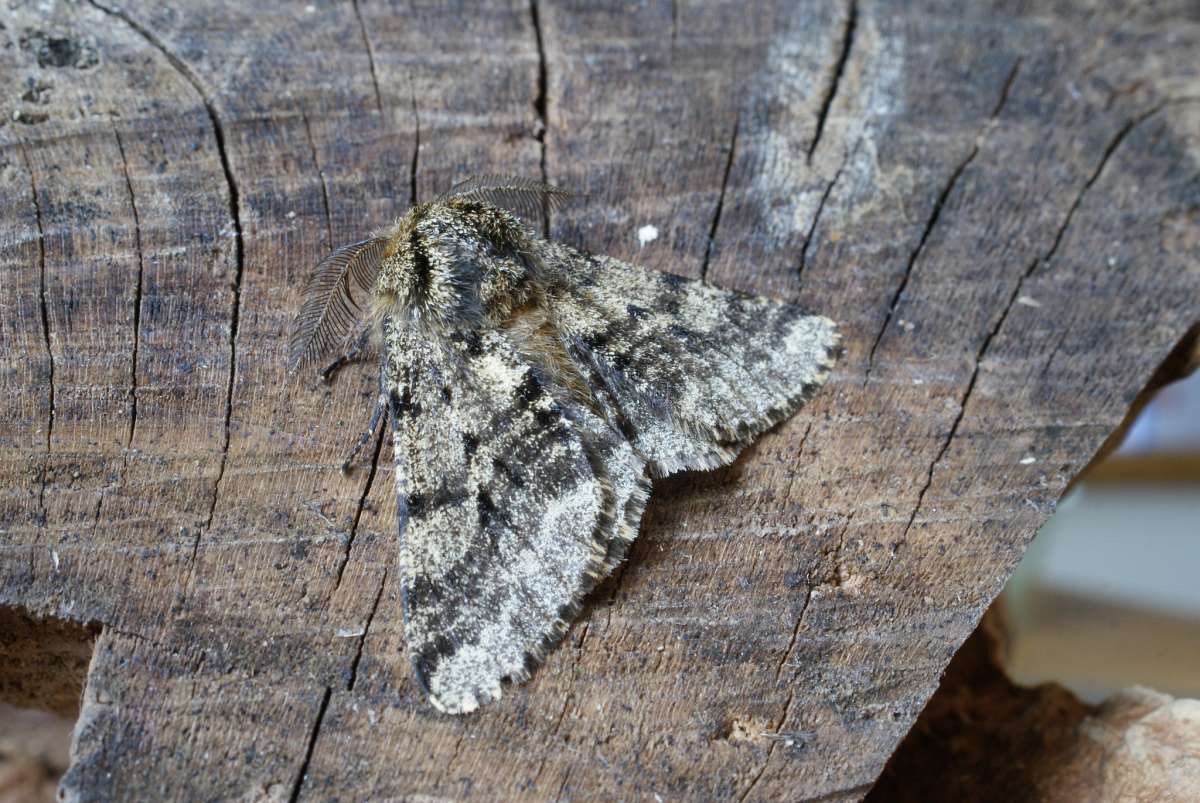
{"type": "Point", "coordinates": [1000, 205]}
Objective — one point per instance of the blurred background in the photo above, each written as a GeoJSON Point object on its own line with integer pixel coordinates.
{"type": "Point", "coordinates": [1108, 594]}
{"type": "Point", "coordinates": [33, 754]}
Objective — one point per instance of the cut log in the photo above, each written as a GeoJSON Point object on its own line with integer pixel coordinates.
{"type": "Point", "coordinates": [1000, 205]}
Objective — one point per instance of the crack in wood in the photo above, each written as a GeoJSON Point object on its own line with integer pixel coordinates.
{"type": "Point", "coordinates": [366, 629]}
{"type": "Point", "coordinates": [362, 27]}
{"type": "Point", "coordinates": [808, 237]}
{"type": "Point", "coordinates": [445, 773]}
{"type": "Point", "coordinates": [787, 710]}
{"type": "Point", "coordinates": [312, 146]}
{"type": "Point", "coordinates": [41, 239]}
{"type": "Point", "coordinates": [758, 775]}
{"type": "Point", "coordinates": [614, 580]}
{"type": "Point", "coordinates": [936, 214]}
{"type": "Point", "coordinates": [847, 41]}
{"type": "Point", "coordinates": [1058, 343]}
{"type": "Point", "coordinates": [186, 72]}
{"type": "Point", "coordinates": [838, 576]}
{"type": "Point", "coordinates": [562, 786]}
{"type": "Point", "coordinates": [362, 502]}
{"type": "Point", "coordinates": [312, 743]}
{"type": "Point", "coordinates": [413, 172]}
{"type": "Point", "coordinates": [835, 580]}
{"type": "Point", "coordinates": [414, 166]}
{"type": "Point", "coordinates": [1008, 84]}
{"type": "Point", "coordinates": [787, 653]}
{"type": "Point", "coordinates": [1112, 146]}
{"type": "Point", "coordinates": [838, 794]}
{"type": "Point", "coordinates": [799, 450]}
{"type": "Point", "coordinates": [416, 154]}
{"type": "Point", "coordinates": [567, 699]}
{"type": "Point", "coordinates": [96, 512]}
{"type": "Point", "coordinates": [137, 300]}
{"type": "Point", "coordinates": [912, 259]}
{"type": "Point", "coordinates": [716, 220]}
{"type": "Point", "coordinates": [981, 353]}
{"type": "Point", "coordinates": [540, 105]}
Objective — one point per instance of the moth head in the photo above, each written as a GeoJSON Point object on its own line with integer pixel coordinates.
{"type": "Point", "coordinates": [457, 261]}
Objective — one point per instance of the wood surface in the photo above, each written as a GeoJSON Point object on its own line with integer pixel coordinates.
{"type": "Point", "coordinates": [998, 202]}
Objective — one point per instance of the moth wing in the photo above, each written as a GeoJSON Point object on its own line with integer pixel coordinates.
{"type": "Point", "coordinates": [624, 478]}
{"type": "Point", "coordinates": [693, 372]}
{"type": "Point", "coordinates": [504, 522]}
{"type": "Point", "coordinates": [330, 309]}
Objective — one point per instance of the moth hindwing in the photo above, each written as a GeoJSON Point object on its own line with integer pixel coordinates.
{"type": "Point", "coordinates": [533, 391]}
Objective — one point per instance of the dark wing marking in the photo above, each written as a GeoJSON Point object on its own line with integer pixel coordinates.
{"type": "Point", "coordinates": [508, 519]}
{"type": "Point", "coordinates": [691, 372]}
{"type": "Point", "coordinates": [330, 309]}
{"type": "Point", "coordinates": [525, 197]}
{"type": "Point", "coordinates": [624, 479]}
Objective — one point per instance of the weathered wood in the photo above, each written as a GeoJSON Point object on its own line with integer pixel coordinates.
{"type": "Point", "coordinates": [1000, 205]}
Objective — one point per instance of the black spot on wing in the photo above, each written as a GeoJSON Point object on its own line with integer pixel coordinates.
{"type": "Point", "coordinates": [680, 331]}
{"type": "Point", "coordinates": [596, 341]}
{"type": "Point", "coordinates": [529, 391]}
{"type": "Point", "coordinates": [548, 419]}
{"type": "Point", "coordinates": [473, 343]}
{"type": "Point", "coordinates": [486, 508]}
{"type": "Point", "coordinates": [506, 470]}
{"type": "Point", "coordinates": [621, 361]}
{"type": "Point", "coordinates": [426, 660]}
{"type": "Point", "coordinates": [403, 404]}
{"type": "Point", "coordinates": [444, 495]}
{"type": "Point", "coordinates": [448, 495]}
{"type": "Point", "coordinates": [402, 514]}
{"type": "Point", "coordinates": [421, 265]}
{"type": "Point", "coordinates": [424, 592]}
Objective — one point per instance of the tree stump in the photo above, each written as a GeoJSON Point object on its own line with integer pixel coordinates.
{"type": "Point", "coordinates": [1000, 205]}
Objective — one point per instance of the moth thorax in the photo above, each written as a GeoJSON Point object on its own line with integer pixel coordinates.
{"type": "Point", "coordinates": [451, 278]}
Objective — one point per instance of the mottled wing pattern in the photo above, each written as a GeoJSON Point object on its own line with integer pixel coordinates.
{"type": "Point", "coordinates": [691, 372]}
{"type": "Point", "coordinates": [512, 504]}
{"type": "Point", "coordinates": [624, 480]}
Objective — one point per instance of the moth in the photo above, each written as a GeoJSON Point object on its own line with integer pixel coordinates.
{"type": "Point", "coordinates": [533, 391]}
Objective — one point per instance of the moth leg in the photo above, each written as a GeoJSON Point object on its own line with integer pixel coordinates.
{"type": "Point", "coordinates": [352, 355]}
{"type": "Point", "coordinates": [380, 406]}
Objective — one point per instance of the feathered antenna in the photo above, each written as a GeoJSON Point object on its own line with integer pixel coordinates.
{"type": "Point", "coordinates": [329, 310]}
{"type": "Point", "coordinates": [523, 196]}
